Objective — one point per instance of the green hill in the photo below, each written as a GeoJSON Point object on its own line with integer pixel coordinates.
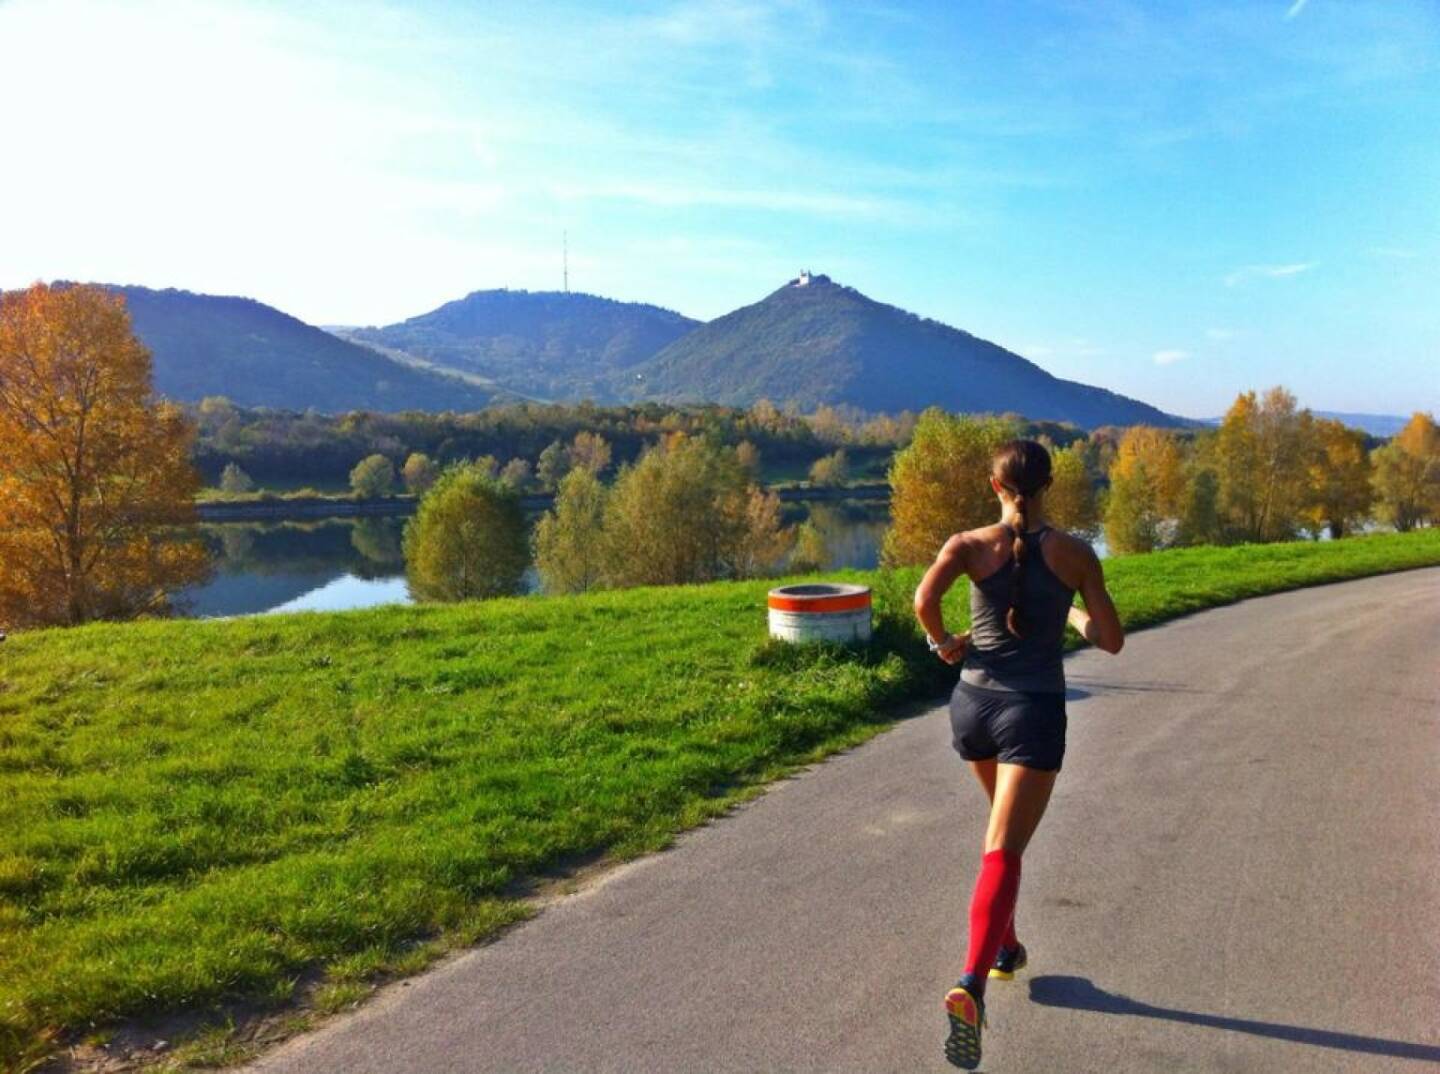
{"type": "Point", "coordinates": [257, 356]}
{"type": "Point", "coordinates": [816, 341]}
{"type": "Point", "coordinates": [547, 344]}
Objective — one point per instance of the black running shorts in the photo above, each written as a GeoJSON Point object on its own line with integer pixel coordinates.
{"type": "Point", "coordinates": [1012, 727]}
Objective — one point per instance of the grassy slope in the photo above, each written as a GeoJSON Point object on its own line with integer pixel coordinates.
{"type": "Point", "coordinates": [196, 810]}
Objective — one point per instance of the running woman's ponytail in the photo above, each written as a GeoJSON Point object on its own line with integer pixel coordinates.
{"type": "Point", "coordinates": [1014, 620]}
{"type": "Point", "coordinates": [1022, 467]}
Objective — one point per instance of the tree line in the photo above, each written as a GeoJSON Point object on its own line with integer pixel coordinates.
{"type": "Point", "coordinates": [1270, 471]}
{"type": "Point", "coordinates": [98, 478]}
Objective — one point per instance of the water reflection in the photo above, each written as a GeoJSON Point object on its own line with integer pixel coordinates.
{"type": "Point", "coordinates": [337, 563]}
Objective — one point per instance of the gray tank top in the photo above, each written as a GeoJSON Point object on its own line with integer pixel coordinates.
{"type": "Point", "coordinates": [997, 660]}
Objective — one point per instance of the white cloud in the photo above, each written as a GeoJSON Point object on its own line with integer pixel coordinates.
{"type": "Point", "coordinates": [1398, 252]}
{"type": "Point", "coordinates": [1267, 272]}
{"type": "Point", "coordinates": [1295, 9]}
{"type": "Point", "coordinates": [1170, 357]}
{"type": "Point", "coordinates": [1220, 335]}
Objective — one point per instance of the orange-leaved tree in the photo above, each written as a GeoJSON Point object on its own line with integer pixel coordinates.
{"type": "Point", "coordinates": [96, 487]}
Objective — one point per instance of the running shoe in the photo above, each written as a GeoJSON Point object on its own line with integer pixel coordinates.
{"type": "Point", "coordinates": [967, 1014]}
{"type": "Point", "coordinates": [1008, 961]}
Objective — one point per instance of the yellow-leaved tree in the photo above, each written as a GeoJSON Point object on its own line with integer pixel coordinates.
{"type": "Point", "coordinates": [1261, 453]}
{"type": "Point", "coordinates": [940, 484]}
{"type": "Point", "coordinates": [1147, 488]}
{"type": "Point", "coordinates": [1340, 471]}
{"type": "Point", "coordinates": [1407, 474]}
{"type": "Point", "coordinates": [1070, 501]}
{"type": "Point", "coordinates": [96, 485]}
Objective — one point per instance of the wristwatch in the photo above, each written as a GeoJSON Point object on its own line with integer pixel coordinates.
{"type": "Point", "coordinates": [936, 646]}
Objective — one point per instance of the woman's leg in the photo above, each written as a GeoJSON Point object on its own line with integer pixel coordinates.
{"type": "Point", "coordinates": [1021, 795]}
{"type": "Point", "coordinates": [985, 773]}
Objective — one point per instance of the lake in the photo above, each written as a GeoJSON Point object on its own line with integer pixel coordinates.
{"type": "Point", "coordinates": [330, 564]}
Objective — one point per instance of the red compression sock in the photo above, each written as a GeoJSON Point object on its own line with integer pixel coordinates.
{"type": "Point", "coordinates": [1010, 941]}
{"type": "Point", "coordinates": [992, 909]}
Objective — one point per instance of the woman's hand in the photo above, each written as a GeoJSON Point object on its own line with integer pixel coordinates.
{"type": "Point", "coordinates": [952, 650]}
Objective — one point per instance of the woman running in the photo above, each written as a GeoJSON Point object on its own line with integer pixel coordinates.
{"type": "Point", "coordinates": [1008, 709]}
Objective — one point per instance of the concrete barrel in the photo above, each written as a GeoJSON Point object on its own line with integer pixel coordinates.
{"type": "Point", "coordinates": [820, 611]}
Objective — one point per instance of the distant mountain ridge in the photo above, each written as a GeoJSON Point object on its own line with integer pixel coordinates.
{"type": "Point", "coordinates": [811, 342]}
{"type": "Point", "coordinates": [255, 355]}
{"type": "Point", "coordinates": [547, 344]}
{"type": "Point", "coordinates": [814, 341]}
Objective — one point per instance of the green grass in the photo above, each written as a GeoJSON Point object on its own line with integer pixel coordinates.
{"type": "Point", "coordinates": [193, 812]}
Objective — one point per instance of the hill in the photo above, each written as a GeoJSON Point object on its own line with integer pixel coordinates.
{"type": "Point", "coordinates": [258, 356]}
{"type": "Point", "coordinates": [814, 341]}
{"type": "Point", "coordinates": [547, 344]}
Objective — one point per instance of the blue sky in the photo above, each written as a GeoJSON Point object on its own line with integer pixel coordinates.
{"type": "Point", "coordinates": [1177, 201]}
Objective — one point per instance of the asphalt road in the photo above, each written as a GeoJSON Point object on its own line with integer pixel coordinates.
{"type": "Point", "coordinates": [1239, 871]}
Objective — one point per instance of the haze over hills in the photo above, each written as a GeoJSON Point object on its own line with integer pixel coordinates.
{"type": "Point", "coordinates": [814, 341]}
{"type": "Point", "coordinates": [257, 356]}
{"type": "Point", "coordinates": [545, 344]}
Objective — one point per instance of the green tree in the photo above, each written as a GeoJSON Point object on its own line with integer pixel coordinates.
{"type": "Point", "coordinates": [419, 473]}
{"type": "Point", "coordinates": [373, 475]}
{"type": "Point", "coordinates": [1407, 475]}
{"type": "Point", "coordinates": [234, 479]}
{"type": "Point", "coordinates": [552, 466]}
{"type": "Point", "coordinates": [940, 484]}
{"type": "Point", "coordinates": [569, 539]}
{"type": "Point", "coordinates": [1131, 522]}
{"type": "Point", "coordinates": [1200, 509]}
{"type": "Point", "coordinates": [830, 471]}
{"type": "Point", "coordinates": [811, 552]}
{"type": "Point", "coordinates": [686, 512]}
{"type": "Point", "coordinates": [1070, 501]}
{"type": "Point", "coordinates": [467, 539]}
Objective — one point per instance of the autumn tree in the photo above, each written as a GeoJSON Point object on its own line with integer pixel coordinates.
{"type": "Point", "coordinates": [419, 473]}
{"type": "Point", "coordinates": [830, 471]}
{"type": "Point", "coordinates": [569, 538]}
{"type": "Point", "coordinates": [468, 538]}
{"type": "Point", "coordinates": [1147, 484]}
{"type": "Point", "coordinates": [686, 511]}
{"type": "Point", "coordinates": [373, 475]}
{"type": "Point", "coordinates": [96, 487]}
{"type": "Point", "coordinates": [1261, 453]}
{"type": "Point", "coordinates": [1407, 475]}
{"type": "Point", "coordinates": [1339, 470]}
{"type": "Point", "coordinates": [749, 458]}
{"type": "Point", "coordinates": [1070, 501]}
{"type": "Point", "coordinates": [940, 484]}
{"type": "Point", "coordinates": [516, 473]}
{"type": "Point", "coordinates": [591, 451]}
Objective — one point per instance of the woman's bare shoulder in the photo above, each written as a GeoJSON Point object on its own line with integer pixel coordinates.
{"type": "Point", "coordinates": [1069, 556]}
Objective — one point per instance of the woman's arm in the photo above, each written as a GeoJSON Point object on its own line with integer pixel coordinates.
{"type": "Point", "coordinates": [948, 566]}
{"type": "Point", "coordinates": [1098, 622]}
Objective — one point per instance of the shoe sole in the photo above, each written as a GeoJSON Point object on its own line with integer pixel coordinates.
{"type": "Point", "coordinates": [1007, 975]}
{"type": "Point", "coordinates": [962, 1048]}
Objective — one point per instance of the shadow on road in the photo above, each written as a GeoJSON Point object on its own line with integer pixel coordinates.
{"type": "Point", "coordinates": [1079, 994]}
{"type": "Point", "coordinates": [1077, 689]}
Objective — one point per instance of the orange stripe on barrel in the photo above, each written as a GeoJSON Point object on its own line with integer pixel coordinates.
{"type": "Point", "coordinates": [843, 602]}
